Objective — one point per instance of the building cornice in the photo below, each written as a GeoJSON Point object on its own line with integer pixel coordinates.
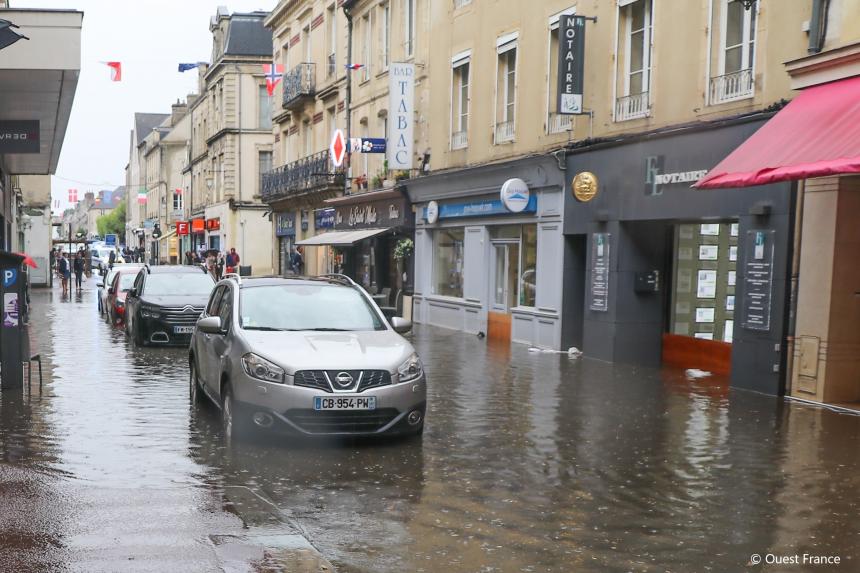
{"type": "Point", "coordinates": [828, 66]}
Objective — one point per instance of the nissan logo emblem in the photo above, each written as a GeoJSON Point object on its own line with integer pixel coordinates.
{"type": "Point", "coordinates": [344, 379]}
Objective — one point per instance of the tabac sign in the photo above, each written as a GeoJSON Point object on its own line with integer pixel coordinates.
{"type": "Point", "coordinates": [17, 136]}
{"type": "Point", "coordinates": [571, 56]}
{"type": "Point", "coordinates": [401, 105]}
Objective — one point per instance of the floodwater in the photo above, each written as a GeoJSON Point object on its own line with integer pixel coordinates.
{"type": "Point", "coordinates": [529, 462]}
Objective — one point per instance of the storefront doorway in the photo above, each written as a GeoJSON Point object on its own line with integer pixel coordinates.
{"type": "Point", "coordinates": [504, 283]}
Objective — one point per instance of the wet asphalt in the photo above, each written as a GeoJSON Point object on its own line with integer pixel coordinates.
{"type": "Point", "coordinates": [530, 462]}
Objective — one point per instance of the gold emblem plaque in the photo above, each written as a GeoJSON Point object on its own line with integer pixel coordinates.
{"type": "Point", "coordinates": [584, 186]}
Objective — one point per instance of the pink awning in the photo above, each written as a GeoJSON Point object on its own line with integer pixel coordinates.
{"type": "Point", "coordinates": [817, 134]}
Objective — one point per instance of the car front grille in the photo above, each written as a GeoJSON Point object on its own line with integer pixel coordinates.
{"type": "Point", "coordinates": [337, 422]}
{"type": "Point", "coordinates": [362, 379]}
{"type": "Point", "coordinates": [181, 316]}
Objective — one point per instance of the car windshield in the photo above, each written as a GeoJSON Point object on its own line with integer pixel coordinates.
{"type": "Point", "coordinates": [322, 307]}
{"type": "Point", "coordinates": [178, 284]}
{"type": "Point", "coordinates": [109, 278]}
{"type": "Point", "coordinates": [126, 281]}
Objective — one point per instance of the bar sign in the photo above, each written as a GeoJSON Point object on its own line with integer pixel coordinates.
{"type": "Point", "coordinates": [571, 56]}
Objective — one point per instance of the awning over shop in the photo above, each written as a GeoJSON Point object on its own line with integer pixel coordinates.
{"type": "Point", "coordinates": [167, 235]}
{"type": "Point", "coordinates": [341, 238]}
{"type": "Point", "coordinates": [817, 134]}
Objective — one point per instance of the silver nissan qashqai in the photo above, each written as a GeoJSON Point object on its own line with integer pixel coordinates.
{"type": "Point", "coordinates": [310, 356]}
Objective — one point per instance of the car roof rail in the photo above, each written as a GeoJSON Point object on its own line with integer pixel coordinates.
{"type": "Point", "coordinates": [340, 277]}
{"type": "Point", "coordinates": [233, 276]}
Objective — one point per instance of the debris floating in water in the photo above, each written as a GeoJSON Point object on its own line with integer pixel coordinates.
{"type": "Point", "coordinates": [572, 352]}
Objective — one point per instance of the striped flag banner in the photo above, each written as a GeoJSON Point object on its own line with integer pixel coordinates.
{"type": "Point", "coordinates": [141, 197]}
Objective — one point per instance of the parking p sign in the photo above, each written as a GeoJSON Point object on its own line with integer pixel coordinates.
{"type": "Point", "coordinates": [9, 277]}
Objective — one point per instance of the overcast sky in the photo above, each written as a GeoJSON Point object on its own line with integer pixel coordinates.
{"type": "Point", "coordinates": [149, 37]}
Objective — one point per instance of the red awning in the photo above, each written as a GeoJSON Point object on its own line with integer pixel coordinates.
{"type": "Point", "coordinates": [817, 134]}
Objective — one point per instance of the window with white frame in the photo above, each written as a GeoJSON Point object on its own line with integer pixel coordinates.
{"type": "Point", "coordinates": [264, 108]}
{"type": "Point", "coordinates": [384, 35]}
{"type": "Point", "coordinates": [367, 40]}
{"type": "Point", "coordinates": [409, 7]}
{"type": "Point", "coordinates": [461, 3]}
{"type": "Point", "coordinates": [635, 18]}
{"type": "Point", "coordinates": [264, 165]}
{"type": "Point", "coordinates": [506, 88]}
{"type": "Point", "coordinates": [461, 65]}
{"type": "Point", "coordinates": [735, 77]}
{"type": "Point", "coordinates": [331, 57]}
{"type": "Point", "coordinates": [178, 203]}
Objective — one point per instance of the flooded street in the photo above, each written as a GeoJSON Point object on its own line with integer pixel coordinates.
{"type": "Point", "coordinates": [530, 462]}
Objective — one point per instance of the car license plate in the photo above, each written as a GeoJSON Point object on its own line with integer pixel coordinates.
{"type": "Point", "coordinates": [183, 329]}
{"type": "Point", "coordinates": [345, 403]}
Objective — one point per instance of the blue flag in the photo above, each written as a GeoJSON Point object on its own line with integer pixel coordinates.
{"type": "Point", "coordinates": [186, 67]}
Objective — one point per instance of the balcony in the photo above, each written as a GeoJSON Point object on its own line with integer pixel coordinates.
{"type": "Point", "coordinates": [460, 140]}
{"type": "Point", "coordinates": [632, 107]}
{"type": "Point", "coordinates": [299, 85]}
{"type": "Point", "coordinates": [731, 87]}
{"type": "Point", "coordinates": [308, 175]}
{"type": "Point", "coordinates": [559, 123]}
{"type": "Point", "coordinates": [505, 132]}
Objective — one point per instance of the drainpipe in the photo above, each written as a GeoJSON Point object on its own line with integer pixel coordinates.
{"type": "Point", "coordinates": [348, 104]}
{"type": "Point", "coordinates": [818, 25]}
{"type": "Point", "coordinates": [238, 186]}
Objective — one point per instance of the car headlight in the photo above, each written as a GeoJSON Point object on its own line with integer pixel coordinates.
{"type": "Point", "coordinates": [150, 313]}
{"type": "Point", "coordinates": [261, 369]}
{"type": "Point", "coordinates": [410, 370]}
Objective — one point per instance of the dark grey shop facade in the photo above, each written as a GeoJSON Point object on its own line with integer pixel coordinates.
{"type": "Point", "coordinates": [657, 272]}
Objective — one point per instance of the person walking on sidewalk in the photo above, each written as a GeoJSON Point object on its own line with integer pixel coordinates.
{"type": "Point", "coordinates": [233, 261]}
{"type": "Point", "coordinates": [78, 266]}
{"type": "Point", "coordinates": [219, 266]}
{"type": "Point", "coordinates": [65, 272]}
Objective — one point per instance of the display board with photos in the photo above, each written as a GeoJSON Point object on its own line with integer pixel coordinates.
{"type": "Point", "coordinates": [704, 281]}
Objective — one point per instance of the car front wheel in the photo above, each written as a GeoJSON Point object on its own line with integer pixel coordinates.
{"type": "Point", "coordinates": [233, 425]}
{"type": "Point", "coordinates": [194, 390]}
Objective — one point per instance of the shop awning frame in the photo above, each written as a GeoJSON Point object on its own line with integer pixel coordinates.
{"type": "Point", "coordinates": [817, 134]}
{"type": "Point", "coordinates": [167, 235]}
{"type": "Point", "coordinates": [341, 238]}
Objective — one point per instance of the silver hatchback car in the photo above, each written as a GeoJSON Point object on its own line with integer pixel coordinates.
{"type": "Point", "coordinates": [309, 356]}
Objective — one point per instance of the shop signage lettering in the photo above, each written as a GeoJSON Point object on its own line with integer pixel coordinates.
{"type": "Point", "coordinates": [367, 215]}
{"type": "Point", "coordinates": [758, 280]}
{"type": "Point", "coordinates": [479, 209]}
{"type": "Point", "coordinates": [285, 224]}
{"type": "Point", "coordinates": [213, 224]}
{"type": "Point", "coordinates": [393, 213]}
{"type": "Point", "coordinates": [19, 136]}
{"type": "Point", "coordinates": [401, 94]}
{"type": "Point", "coordinates": [324, 218]}
{"type": "Point", "coordinates": [655, 177]}
{"type": "Point", "coordinates": [571, 45]}
{"type": "Point", "coordinates": [182, 228]}
{"type": "Point", "coordinates": [198, 225]}
{"type": "Point", "coordinates": [515, 195]}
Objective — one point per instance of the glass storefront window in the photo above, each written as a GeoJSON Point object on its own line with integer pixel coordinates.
{"type": "Point", "coordinates": [528, 278]}
{"type": "Point", "coordinates": [448, 262]}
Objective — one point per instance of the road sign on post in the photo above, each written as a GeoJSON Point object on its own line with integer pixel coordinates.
{"type": "Point", "coordinates": [337, 149]}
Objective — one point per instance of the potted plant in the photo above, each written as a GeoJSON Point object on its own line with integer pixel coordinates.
{"type": "Point", "coordinates": [403, 249]}
{"type": "Point", "coordinates": [376, 182]}
{"type": "Point", "coordinates": [361, 182]}
{"type": "Point", "coordinates": [387, 181]}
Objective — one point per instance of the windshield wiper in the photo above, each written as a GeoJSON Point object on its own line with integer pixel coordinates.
{"type": "Point", "coordinates": [265, 328]}
{"type": "Point", "coordinates": [330, 329]}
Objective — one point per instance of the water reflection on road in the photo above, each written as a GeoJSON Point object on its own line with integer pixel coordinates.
{"type": "Point", "coordinates": [530, 462]}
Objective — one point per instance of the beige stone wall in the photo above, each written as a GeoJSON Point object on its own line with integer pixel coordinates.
{"type": "Point", "coordinates": [35, 190]}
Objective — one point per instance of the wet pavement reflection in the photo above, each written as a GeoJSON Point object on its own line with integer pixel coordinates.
{"type": "Point", "coordinates": [529, 462]}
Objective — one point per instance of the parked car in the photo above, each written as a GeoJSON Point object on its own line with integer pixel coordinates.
{"type": "Point", "coordinates": [123, 280]}
{"type": "Point", "coordinates": [165, 302]}
{"type": "Point", "coordinates": [309, 356]}
{"type": "Point", "coordinates": [100, 258]}
{"type": "Point", "coordinates": [108, 279]}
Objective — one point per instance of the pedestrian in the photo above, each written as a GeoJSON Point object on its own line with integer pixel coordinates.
{"type": "Point", "coordinates": [210, 264]}
{"type": "Point", "coordinates": [111, 258]}
{"type": "Point", "coordinates": [296, 261]}
{"type": "Point", "coordinates": [78, 266]}
{"type": "Point", "coordinates": [233, 261]}
{"type": "Point", "coordinates": [65, 272]}
{"type": "Point", "coordinates": [219, 266]}
{"type": "Point", "coordinates": [189, 260]}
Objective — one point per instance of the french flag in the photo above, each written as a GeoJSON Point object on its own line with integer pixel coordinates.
{"type": "Point", "coordinates": [354, 67]}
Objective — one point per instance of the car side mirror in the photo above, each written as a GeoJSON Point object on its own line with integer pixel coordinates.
{"type": "Point", "coordinates": [100, 284]}
{"type": "Point", "coordinates": [400, 324]}
{"type": "Point", "coordinates": [132, 292]}
{"type": "Point", "coordinates": [210, 325]}
{"type": "Point", "coordinates": [110, 290]}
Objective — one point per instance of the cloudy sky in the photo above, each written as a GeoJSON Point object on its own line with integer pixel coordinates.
{"type": "Point", "coordinates": [149, 37]}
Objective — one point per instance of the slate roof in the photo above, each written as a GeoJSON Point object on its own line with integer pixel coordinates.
{"type": "Point", "coordinates": [144, 123]}
{"type": "Point", "coordinates": [246, 36]}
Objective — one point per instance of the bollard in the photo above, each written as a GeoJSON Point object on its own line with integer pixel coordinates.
{"type": "Point", "coordinates": [12, 333]}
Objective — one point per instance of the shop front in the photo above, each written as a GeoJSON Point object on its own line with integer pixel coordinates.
{"type": "Point", "coordinates": [488, 246]}
{"type": "Point", "coordinates": [657, 272]}
{"type": "Point", "coordinates": [285, 232]}
{"type": "Point", "coordinates": [198, 234]}
{"type": "Point", "coordinates": [370, 242]}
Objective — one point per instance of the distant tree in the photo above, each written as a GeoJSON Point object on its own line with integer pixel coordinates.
{"type": "Point", "coordinates": [113, 222]}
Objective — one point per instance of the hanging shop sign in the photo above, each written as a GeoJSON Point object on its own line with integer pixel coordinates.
{"type": "Point", "coordinates": [571, 59]}
{"type": "Point", "coordinates": [431, 212]}
{"type": "Point", "coordinates": [213, 224]}
{"type": "Point", "coordinates": [481, 208]}
{"type": "Point", "coordinates": [401, 105]}
{"type": "Point", "coordinates": [337, 148]}
{"type": "Point", "coordinates": [285, 224]}
{"type": "Point", "coordinates": [380, 213]}
{"type": "Point", "coordinates": [182, 228]}
{"type": "Point", "coordinates": [367, 145]}
{"type": "Point", "coordinates": [324, 218]}
{"type": "Point", "coordinates": [198, 225]}
{"type": "Point", "coordinates": [19, 136]}
{"type": "Point", "coordinates": [656, 178]}
{"type": "Point", "coordinates": [584, 186]}
{"type": "Point", "coordinates": [515, 195]}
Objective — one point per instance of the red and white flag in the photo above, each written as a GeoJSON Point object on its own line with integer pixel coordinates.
{"type": "Point", "coordinates": [115, 71]}
{"type": "Point", "coordinates": [274, 72]}
{"type": "Point", "coordinates": [73, 195]}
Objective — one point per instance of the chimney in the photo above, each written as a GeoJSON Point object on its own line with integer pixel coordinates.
{"type": "Point", "coordinates": [178, 111]}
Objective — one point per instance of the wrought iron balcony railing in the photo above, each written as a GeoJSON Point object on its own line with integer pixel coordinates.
{"type": "Point", "coordinates": [632, 107]}
{"type": "Point", "coordinates": [299, 83]}
{"type": "Point", "coordinates": [733, 86]}
{"type": "Point", "coordinates": [559, 123]}
{"type": "Point", "coordinates": [309, 174]}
